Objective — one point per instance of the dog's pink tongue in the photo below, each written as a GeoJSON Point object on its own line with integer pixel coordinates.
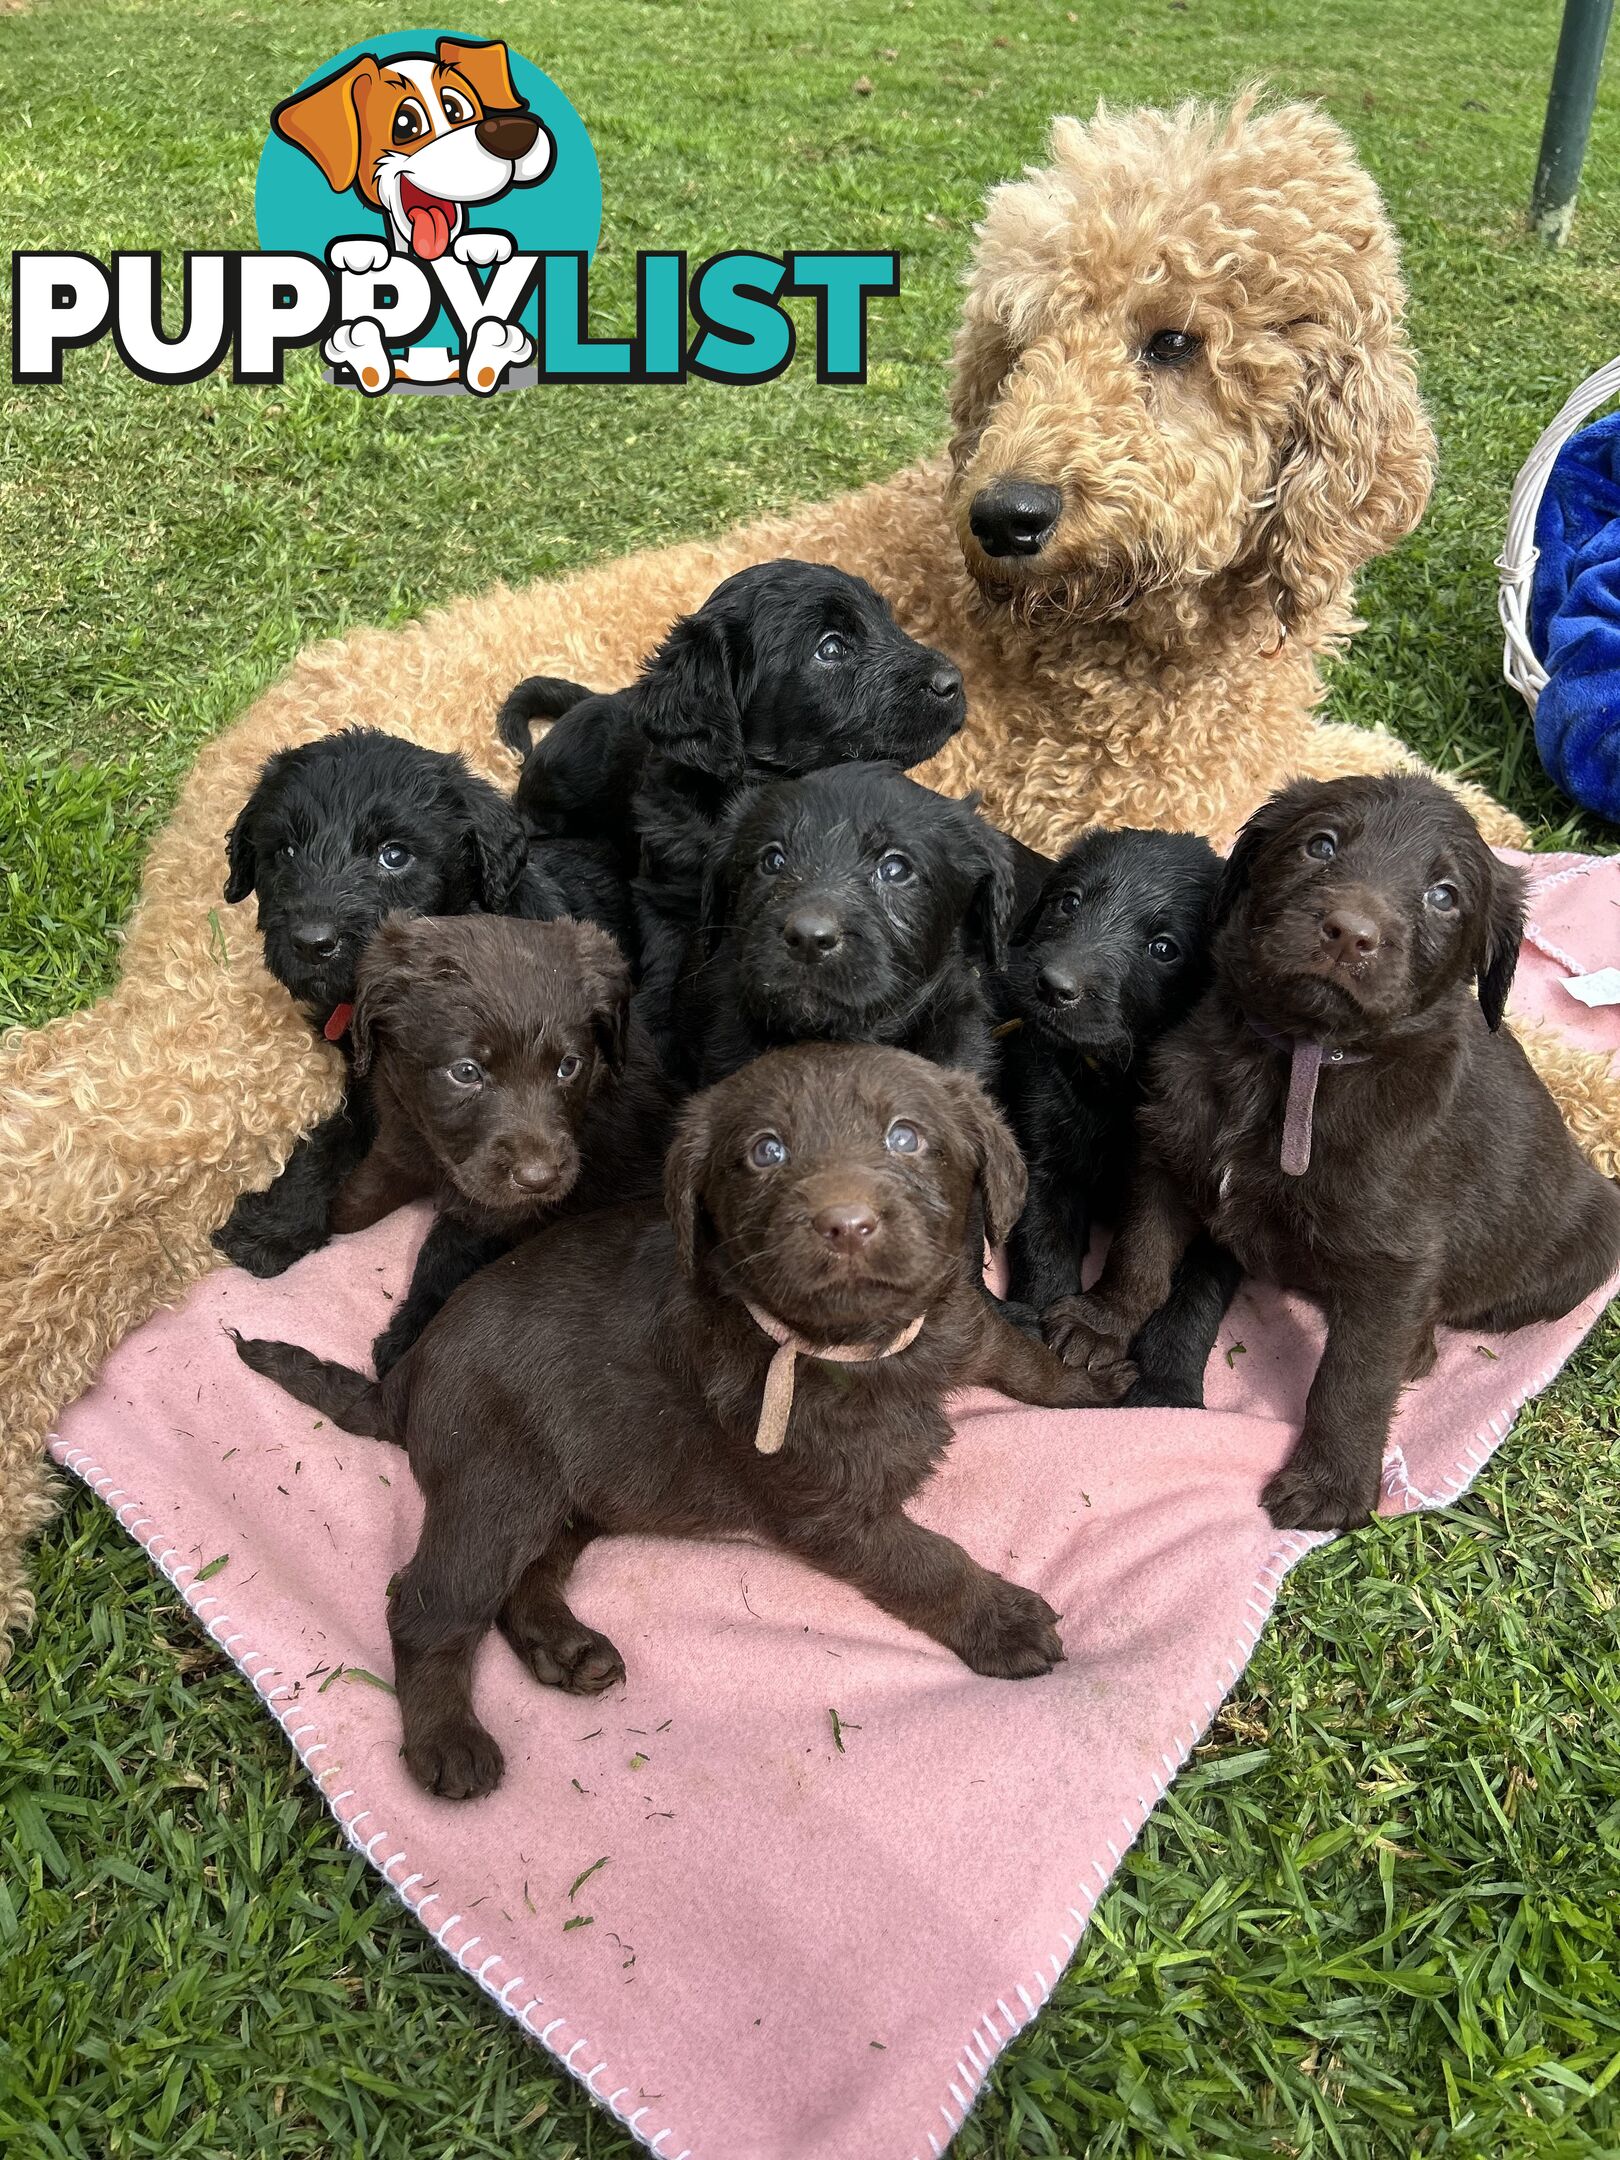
{"type": "Point", "coordinates": [430, 229]}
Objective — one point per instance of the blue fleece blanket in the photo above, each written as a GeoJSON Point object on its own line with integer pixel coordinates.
{"type": "Point", "coordinates": [1575, 618]}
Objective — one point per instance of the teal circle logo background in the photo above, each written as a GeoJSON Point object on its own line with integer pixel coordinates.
{"type": "Point", "coordinates": [297, 213]}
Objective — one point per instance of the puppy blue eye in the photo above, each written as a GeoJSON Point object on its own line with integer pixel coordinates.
{"type": "Point", "coordinates": [903, 1139]}
{"type": "Point", "coordinates": [1069, 904]}
{"type": "Point", "coordinates": [1442, 898]}
{"type": "Point", "coordinates": [768, 1152]}
{"type": "Point", "coordinates": [1323, 845]}
{"type": "Point", "coordinates": [394, 857]}
{"type": "Point", "coordinates": [570, 1067]}
{"type": "Point", "coordinates": [1164, 948]}
{"type": "Point", "coordinates": [466, 1074]}
{"type": "Point", "coordinates": [893, 868]}
{"type": "Point", "coordinates": [832, 649]}
{"type": "Point", "coordinates": [1171, 348]}
{"type": "Point", "coordinates": [772, 860]}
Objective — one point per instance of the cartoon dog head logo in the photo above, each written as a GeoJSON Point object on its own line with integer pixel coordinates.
{"type": "Point", "coordinates": [418, 137]}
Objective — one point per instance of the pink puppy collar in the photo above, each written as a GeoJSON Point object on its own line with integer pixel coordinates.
{"type": "Point", "coordinates": [777, 1403]}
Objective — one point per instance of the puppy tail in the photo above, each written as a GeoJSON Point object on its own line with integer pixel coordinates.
{"type": "Point", "coordinates": [537, 697]}
{"type": "Point", "coordinates": [347, 1397]}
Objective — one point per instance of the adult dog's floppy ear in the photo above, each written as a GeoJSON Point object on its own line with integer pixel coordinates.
{"type": "Point", "coordinates": [324, 120]}
{"type": "Point", "coordinates": [683, 1177]}
{"type": "Point", "coordinates": [497, 841]}
{"type": "Point", "coordinates": [605, 978]}
{"type": "Point", "coordinates": [989, 918]}
{"type": "Point", "coordinates": [1003, 1180]}
{"type": "Point", "coordinates": [1355, 467]}
{"type": "Point", "coordinates": [687, 702]}
{"type": "Point", "coordinates": [241, 858]}
{"type": "Point", "coordinates": [487, 65]}
{"type": "Point", "coordinates": [1499, 945]}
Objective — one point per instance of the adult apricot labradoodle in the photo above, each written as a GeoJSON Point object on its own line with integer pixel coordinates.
{"type": "Point", "coordinates": [1184, 414]}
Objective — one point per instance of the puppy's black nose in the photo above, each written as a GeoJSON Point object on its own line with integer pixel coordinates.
{"type": "Point", "coordinates": [315, 940]}
{"type": "Point", "coordinates": [1057, 985]}
{"type": "Point", "coordinates": [1014, 517]}
{"type": "Point", "coordinates": [847, 1225]}
{"type": "Point", "coordinates": [946, 682]}
{"type": "Point", "coordinates": [1349, 934]}
{"type": "Point", "coordinates": [508, 134]}
{"type": "Point", "coordinates": [533, 1176]}
{"type": "Point", "coordinates": [812, 934]}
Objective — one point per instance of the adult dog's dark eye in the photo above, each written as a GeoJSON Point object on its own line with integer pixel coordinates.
{"type": "Point", "coordinates": [1442, 897]}
{"type": "Point", "coordinates": [1323, 845]}
{"type": "Point", "coordinates": [893, 868]}
{"type": "Point", "coordinates": [570, 1068]}
{"type": "Point", "coordinates": [1171, 348]}
{"type": "Point", "coordinates": [1164, 948]}
{"type": "Point", "coordinates": [903, 1139]}
{"type": "Point", "coordinates": [465, 1073]}
{"type": "Point", "coordinates": [768, 1152]}
{"type": "Point", "coordinates": [456, 109]}
{"type": "Point", "coordinates": [773, 860]}
{"type": "Point", "coordinates": [1069, 904]}
{"type": "Point", "coordinates": [832, 649]}
{"type": "Point", "coordinates": [394, 857]}
{"type": "Point", "coordinates": [410, 122]}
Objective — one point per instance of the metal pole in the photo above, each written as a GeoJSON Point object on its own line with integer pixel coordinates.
{"type": "Point", "coordinates": [1569, 117]}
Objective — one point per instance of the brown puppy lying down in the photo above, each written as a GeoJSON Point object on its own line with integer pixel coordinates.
{"type": "Point", "coordinates": [1341, 1114]}
{"type": "Point", "coordinates": [624, 1373]}
{"type": "Point", "coordinates": [507, 1079]}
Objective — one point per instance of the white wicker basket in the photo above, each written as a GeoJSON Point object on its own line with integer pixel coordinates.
{"type": "Point", "coordinates": [1516, 564]}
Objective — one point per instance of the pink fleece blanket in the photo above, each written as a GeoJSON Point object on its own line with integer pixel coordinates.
{"type": "Point", "coordinates": [786, 1894]}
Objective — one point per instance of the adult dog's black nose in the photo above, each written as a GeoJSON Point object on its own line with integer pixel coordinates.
{"type": "Point", "coordinates": [1058, 985]}
{"type": "Point", "coordinates": [315, 940]}
{"type": "Point", "coordinates": [812, 933]}
{"type": "Point", "coordinates": [508, 134]}
{"type": "Point", "coordinates": [1014, 517]}
{"type": "Point", "coordinates": [946, 683]}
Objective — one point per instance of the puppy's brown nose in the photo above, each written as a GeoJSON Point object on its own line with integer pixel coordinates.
{"type": "Point", "coordinates": [534, 1176]}
{"type": "Point", "coordinates": [812, 933]}
{"type": "Point", "coordinates": [1349, 934]}
{"type": "Point", "coordinates": [508, 134]}
{"type": "Point", "coordinates": [847, 1225]}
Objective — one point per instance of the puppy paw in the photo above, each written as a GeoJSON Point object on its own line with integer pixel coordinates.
{"type": "Point", "coordinates": [569, 1656]}
{"type": "Point", "coordinates": [1088, 1337]}
{"type": "Point", "coordinates": [1012, 1635]}
{"type": "Point", "coordinates": [458, 1762]}
{"type": "Point", "coordinates": [1145, 1394]}
{"type": "Point", "coordinates": [1309, 1494]}
{"type": "Point", "coordinates": [252, 1249]}
{"type": "Point", "coordinates": [361, 256]}
{"type": "Point", "coordinates": [359, 348]}
{"type": "Point", "coordinates": [482, 249]}
{"type": "Point", "coordinates": [495, 347]}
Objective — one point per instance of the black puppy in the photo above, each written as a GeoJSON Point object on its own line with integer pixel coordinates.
{"type": "Point", "coordinates": [1113, 952]}
{"type": "Point", "coordinates": [337, 834]}
{"type": "Point", "coordinates": [850, 906]}
{"type": "Point", "coordinates": [786, 667]}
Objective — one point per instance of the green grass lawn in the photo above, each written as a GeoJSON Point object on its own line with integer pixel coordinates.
{"type": "Point", "coordinates": [1380, 1915]}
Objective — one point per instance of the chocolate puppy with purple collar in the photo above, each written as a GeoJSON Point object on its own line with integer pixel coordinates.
{"type": "Point", "coordinates": [767, 1355]}
{"type": "Point", "coordinates": [1346, 1113]}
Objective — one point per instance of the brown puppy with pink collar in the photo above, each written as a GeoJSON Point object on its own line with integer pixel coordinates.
{"type": "Point", "coordinates": [768, 1358]}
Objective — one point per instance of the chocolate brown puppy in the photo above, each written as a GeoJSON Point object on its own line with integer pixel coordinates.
{"type": "Point", "coordinates": [508, 1079]}
{"type": "Point", "coordinates": [1345, 1118]}
{"type": "Point", "coordinates": [767, 1356]}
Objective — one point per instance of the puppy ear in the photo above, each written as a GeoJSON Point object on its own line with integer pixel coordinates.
{"type": "Point", "coordinates": [324, 121]}
{"type": "Point", "coordinates": [241, 858]}
{"type": "Point", "coordinates": [687, 702]}
{"type": "Point", "coordinates": [605, 977]}
{"type": "Point", "coordinates": [1273, 814]}
{"type": "Point", "coordinates": [683, 1177]}
{"type": "Point", "coordinates": [990, 912]}
{"type": "Point", "coordinates": [497, 841]}
{"type": "Point", "coordinates": [1503, 935]}
{"type": "Point", "coordinates": [487, 66]}
{"type": "Point", "coordinates": [1002, 1178]}
{"type": "Point", "coordinates": [1357, 465]}
{"type": "Point", "coordinates": [381, 987]}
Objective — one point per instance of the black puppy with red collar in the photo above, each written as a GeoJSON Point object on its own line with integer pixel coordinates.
{"type": "Point", "coordinates": [338, 834]}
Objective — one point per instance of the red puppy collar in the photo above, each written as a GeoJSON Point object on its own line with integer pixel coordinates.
{"type": "Point", "coordinates": [337, 1025]}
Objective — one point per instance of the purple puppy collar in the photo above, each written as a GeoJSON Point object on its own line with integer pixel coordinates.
{"type": "Point", "coordinates": [1306, 1059]}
